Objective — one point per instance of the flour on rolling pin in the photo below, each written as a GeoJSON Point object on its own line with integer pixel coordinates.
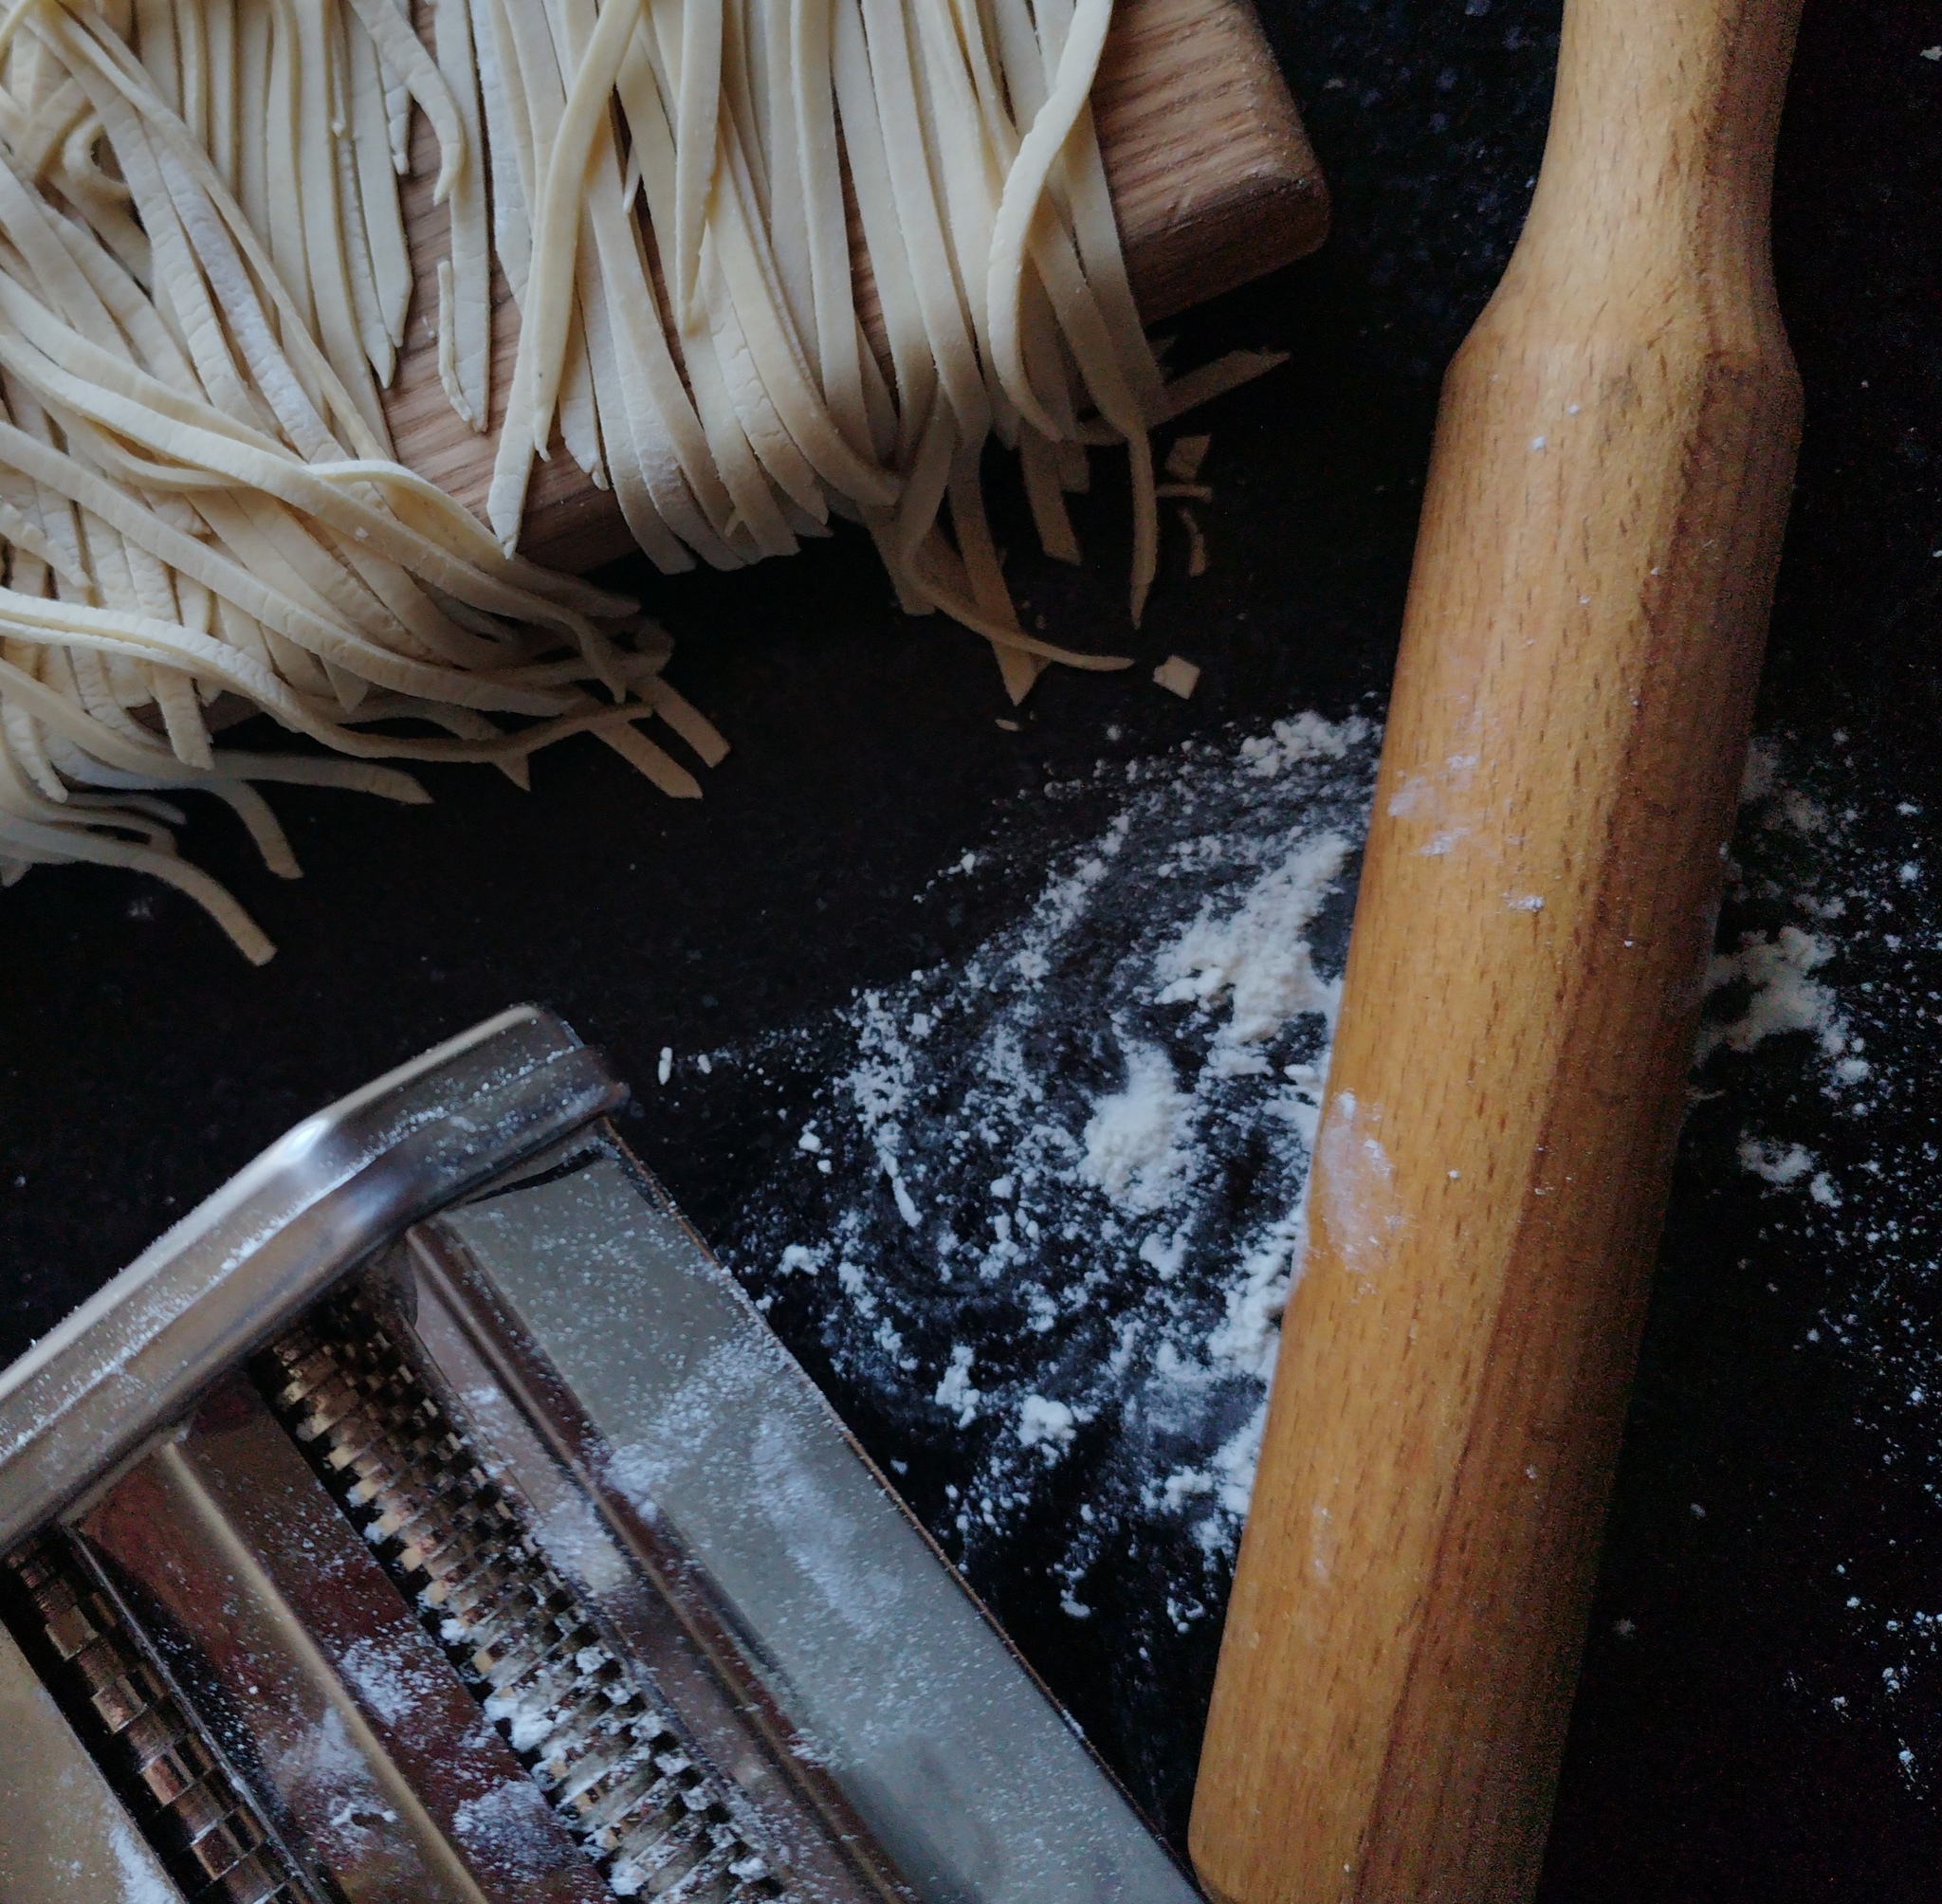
{"type": "Point", "coordinates": [1212, 178]}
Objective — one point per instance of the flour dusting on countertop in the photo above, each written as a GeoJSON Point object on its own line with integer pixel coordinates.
{"type": "Point", "coordinates": [1034, 1214]}
{"type": "Point", "coordinates": [1045, 1206]}
{"type": "Point", "coordinates": [1825, 995]}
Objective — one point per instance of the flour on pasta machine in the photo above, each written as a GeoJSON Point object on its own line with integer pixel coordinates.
{"type": "Point", "coordinates": [428, 1516]}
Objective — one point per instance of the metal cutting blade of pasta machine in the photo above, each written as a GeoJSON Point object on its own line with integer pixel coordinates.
{"type": "Point", "coordinates": [428, 1516]}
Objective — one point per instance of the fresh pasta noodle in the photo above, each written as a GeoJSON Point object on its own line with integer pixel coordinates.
{"type": "Point", "coordinates": [985, 228]}
{"type": "Point", "coordinates": [196, 493]}
{"type": "Point", "coordinates": [205, 281]}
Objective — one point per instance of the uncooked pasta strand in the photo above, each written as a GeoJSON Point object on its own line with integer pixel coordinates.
{"type": "Point", "coordinates": [322, 215]}
{"type": "Point", "coordinates": [251, 181]}
{"type": "Point", "coordinates": [1203, 385]}
{"type": "Point", "coordinates": [282, 214]}
{"type": "Point", "coordinates": [377, 189]}
{"type": "Point", "coordinates": [243, 587]}
{"type": "Point", "coordinates": [372, 331]}
{"type": "Point", "coordinates": [1025, 186]}
{"type": "Point", "coordinates": [37, 137]}
{"type": "Point", "coordinates": [968, 174]}
{"type": "Point", "coordinates": [469, 325]}
{"type": "Point", "coordinates": [818, 197]}
{"type": "Point", "coordinates": [193, 185]}
{"type": "Point", "coordinates": [154, 40]}
{"type": "Point", "coordinates": [398, 104]}
{"type": "Point", "coordinates": [409, 59]}
{"type": "Point", "coordinates": [785, 211]}
{"type": "Point", "coordinates": [751, 519]}
{"type": "Point", "coordinates": [653, 406]}
{"type": "Point", "coordinates": [1018, 669]}
{"type": "Point", "coordinates": [778, 361]}
{"type": "Point", "coordinates": [220, 33]}
{"type": "Point", "coordinates": [1042, 492]}
{"type": "Point", "coordinates": [710, 359]}
{"type": "Point", "coordinates": [653, 160]}
{"type": "Point", "coordinates": [191, 59]}
{"type": "Point", "coordinates": [60, 845]}
{"type": "Point", "coordinates": [914, 192]}
{"type": "Point", "coordinates": [511, 238]}
{"type": "Point", "coordinates": [914, 367]}
{"type": "Point", "coordinates": [696, 29]}
{"type": "Point", "coordinates": [556, 220]}
{"type": "Point", "coordinates": [545, 99]}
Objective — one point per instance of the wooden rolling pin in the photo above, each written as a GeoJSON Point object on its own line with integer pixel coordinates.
{"type": "Point", "coordinates": [1211, 174]}
{"type": "Point", "coordinates": [1583, 633]}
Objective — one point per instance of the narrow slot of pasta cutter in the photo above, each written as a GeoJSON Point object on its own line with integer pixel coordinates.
{"type": "Point", "coordinates": [351, 1726]}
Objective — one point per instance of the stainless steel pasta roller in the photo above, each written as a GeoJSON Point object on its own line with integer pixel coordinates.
{"type": "Point", "coordinates": [427, 1517]}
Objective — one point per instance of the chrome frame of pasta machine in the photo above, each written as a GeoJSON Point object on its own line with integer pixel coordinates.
{"type": "Point", "coordinates": [428, 1516]}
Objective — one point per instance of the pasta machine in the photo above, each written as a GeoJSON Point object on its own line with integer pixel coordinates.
{"type": "Point", "coordinates": [428, 1516]}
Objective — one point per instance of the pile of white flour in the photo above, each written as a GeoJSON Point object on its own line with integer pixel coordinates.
{"type": "Point", "coordinates": [1045, 1206]}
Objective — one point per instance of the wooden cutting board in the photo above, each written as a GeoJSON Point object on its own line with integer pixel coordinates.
{"type": "Point", "coordinates": [1212, 175]}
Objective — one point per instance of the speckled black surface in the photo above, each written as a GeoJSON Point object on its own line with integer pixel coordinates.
{"type": "Point", "coordinates": [142, 1061]}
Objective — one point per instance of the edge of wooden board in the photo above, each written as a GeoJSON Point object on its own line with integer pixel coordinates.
{"type": "Point", "coordinates": [1211, 172]}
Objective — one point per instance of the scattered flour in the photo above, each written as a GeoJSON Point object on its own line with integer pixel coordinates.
{"type": "Point", "coordinates": [1834, 954]}
{"type": "Point", "coordinates": [1781, 996]}
{"type": "Point", "coordinates": [1776, 1164]}
{"type": "Point", "coordinates": [1766, 987]}
{"type": "Point", "coordinates": [509, 1832]}
{"type": "Point", "coordinates": [1132, 1145]}
{"type": "Point", "coordinates": [954, 1393]}
{"type": "Point", "coordinates": [1258, 959]}
{"type": "Point", "coordinates": [1040, 1245]}
{"type": "Point", "coordinates": [1042, 1215]}
{"type": "Point", "coordinates": [329, 1767]}
{"type": "Point", "coordinates": [1045, 1424]}
{"type": "Point", "coordinates": [141, 1878]}
{"type": "Point", "coordinates": [391, 1680]}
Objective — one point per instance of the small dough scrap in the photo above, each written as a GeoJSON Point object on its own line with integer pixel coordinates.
{"type": "Point", "coordinates": [1178, 675]}
{"type": "Point", "coordinates": [1184, 459]}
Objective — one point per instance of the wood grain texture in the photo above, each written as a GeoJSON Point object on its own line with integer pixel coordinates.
{"type": "Point", "coordinates": [1211, 173]}
{"type": "Point", "coordinates": [1579, 650]}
